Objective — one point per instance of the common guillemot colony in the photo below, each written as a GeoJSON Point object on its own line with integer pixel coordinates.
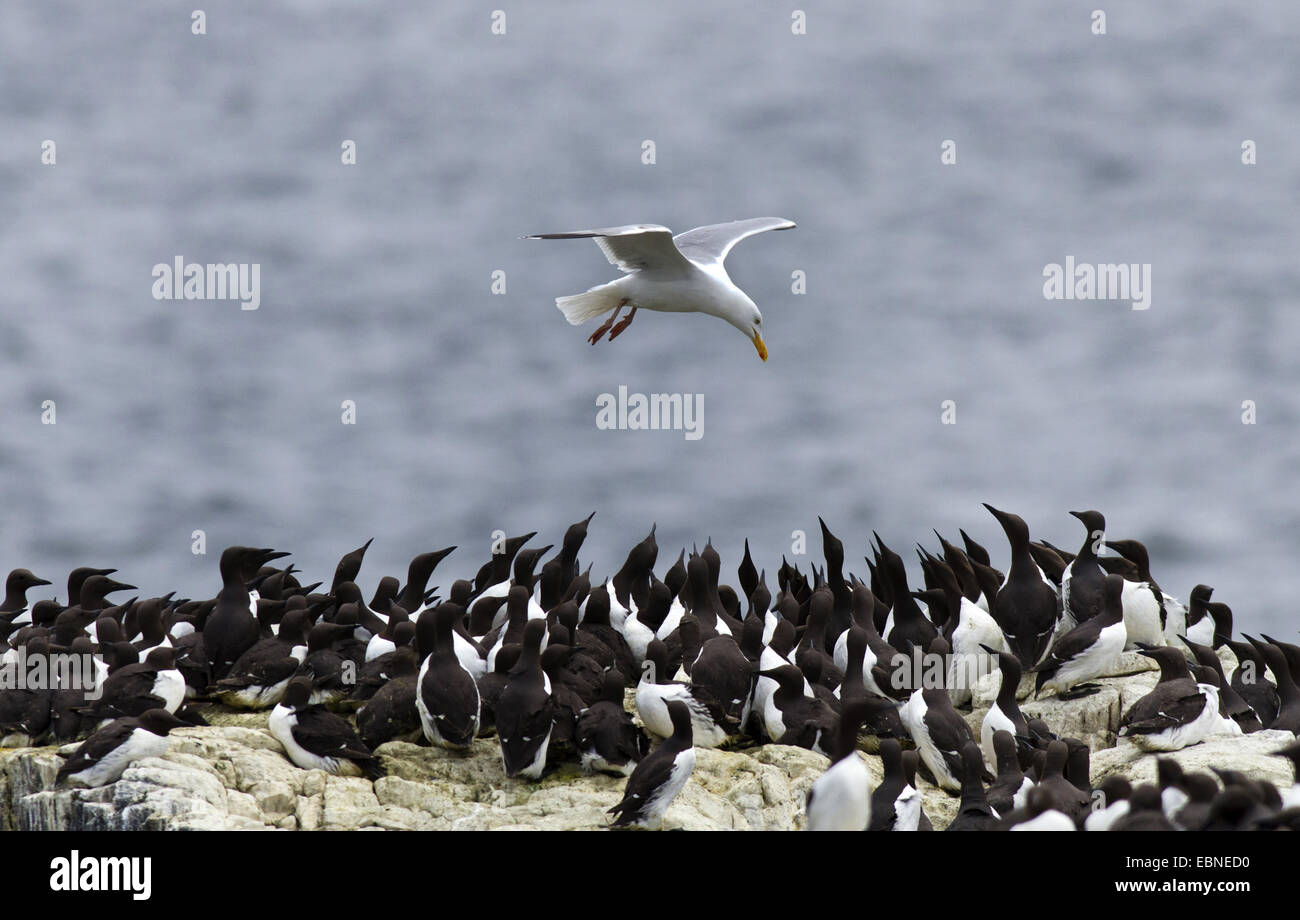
{"type": "Point", "coordinates": [539, 656]}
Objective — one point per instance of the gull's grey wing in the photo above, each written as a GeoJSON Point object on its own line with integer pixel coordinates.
{"type": "Point", "coordinates": [711, 243]}
{"type": "Point", "coordinates": [631, 248]}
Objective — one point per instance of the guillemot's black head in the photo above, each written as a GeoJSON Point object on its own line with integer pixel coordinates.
{"type": "Point", "coordinates": [22, 579]}
{"type": "Point", "coordinates": [526, 562]}
{"type": "Point", "coordinates": [597, 613]}
{"type": "Point", "coordinates": [403, 634]}
{"type": "Point", "coordinates": [385, 593]}
{"type": "Point", "coordinates": [574, 537]}
{"type": "Point", "coordinates": [1095, 522]}
{"type": "Point", "coordinates": [1013, 525]}
{"type": "Point", "coordinates": [350, 564]}
{"type": "Point", "coordinates": [1132, 550]}
{"type": "Point", "coordinates": [1172, 663]}
{"type": "Point", "coordinates": [163, 658]}
{"type": "Point", "coordinates": [675, 577]}
{"type": "Point", "coordinates": [422, 566]}
{"type": "Point", "coordinates": [658, 601]}
{"type": "Point", "coordinates": [517, 604]}
{"type": "Point", "coordinates": [1004, 750]}
{"type": "Point", "coordinates": [298, 693]}
{"type": "Point", "coordinates": [159, 721]}
{"type": "Point", "coordinates": [97, 587]}
{"type": "Point", "coordinates": [832, 548]}
{"type": "Point", "coordinates": [680, 715]}
{"type": "Point", "coordinates": [788, 678]}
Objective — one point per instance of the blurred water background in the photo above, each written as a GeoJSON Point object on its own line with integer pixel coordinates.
{"type": "Point", "coordinates": [476, 412]}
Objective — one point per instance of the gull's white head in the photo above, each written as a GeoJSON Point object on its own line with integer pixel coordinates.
{"type": "Point", "coordinates": [743, 313]}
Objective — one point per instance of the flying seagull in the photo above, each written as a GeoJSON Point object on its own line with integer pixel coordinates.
{"type": "Point", "coordinates": [673, 274]}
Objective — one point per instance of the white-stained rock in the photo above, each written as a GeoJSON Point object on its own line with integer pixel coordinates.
{"type": "Point", "coordinates": [1250, 754]}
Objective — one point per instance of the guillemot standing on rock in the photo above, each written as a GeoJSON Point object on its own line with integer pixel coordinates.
{"type": "Point", "coordinates": [895, 803]}
{"type": "Point", "coordinates": [938, 731]}
{"type": "Point", "coordinates": [1288, 713]}
{"type": "Point", "coordinates": [258, 679]}
{"type": "Point", "coordinates": [711, 724]}
{"type": "Point", "coordinates": [447, 698]}
{"type": "Point", "coordinates": [134, 689]}
{"type": "Point", "coordinates": [1176, 713]}
{"type": "Point", "coordinates": [1067, 798]}
{"type": "Point", "coordinates": [1089, 650]}
{"type": "Point", "coordinates": [391, 711]}
{"type": "Point", "coordinates": [1026, 606]}
{"type": "Point", "coordinates": [525, 712]}
{"type": "Point", "coordinates": [316, 739]}
{"type": "Point", "coordinates": [104, 756]}
{"type": "Point", "coordinates": [1231, 705]}
{"type": "Point", "coordinates": [1251, 684]}
{"type": "Point", "coordinates": [792, 718]}
{"type": "Point", "coordinates": [232, 629]}
{"type": "Point", "coordinates": [607, 738]}
{"type": "Point", "coordinates": [1004, 714]}
{"type": "Point", "coordinates": [659, 777]}
{"type": "Point", "coordinates": [1081, 584]}
{"type": "Point", "coordinates": [840, 799]}
{"type": "Point", "coordinates": [975, 813]}
{"type": "Point", "coordinates": [1009, 789]}
{"type": "Point", "coordinates": [1145, 613]}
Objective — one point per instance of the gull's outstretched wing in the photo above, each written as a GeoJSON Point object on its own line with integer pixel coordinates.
{"type": "Point", "coordinates": [631, 248]}
{"type": "Point", "coordinates": [711, 243]}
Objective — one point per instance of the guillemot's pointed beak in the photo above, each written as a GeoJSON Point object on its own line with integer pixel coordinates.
{"type": "Point", "coordinates": [760, 346]}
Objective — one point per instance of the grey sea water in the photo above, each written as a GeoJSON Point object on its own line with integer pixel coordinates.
{"type": "Point", "coordinates": [476, 411]}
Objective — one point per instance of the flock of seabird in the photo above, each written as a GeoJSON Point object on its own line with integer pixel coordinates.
{"type": "Point", "coordinates": [541, 657]}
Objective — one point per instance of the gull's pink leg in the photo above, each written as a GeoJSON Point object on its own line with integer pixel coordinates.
{"type": "Point", "coordinates": [604, 327]}
{"type": "Point", "coordinates": [626, 321]}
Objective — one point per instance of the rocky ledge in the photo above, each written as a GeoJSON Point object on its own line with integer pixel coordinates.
{"type": "Point", "coordinates": [233, 775]}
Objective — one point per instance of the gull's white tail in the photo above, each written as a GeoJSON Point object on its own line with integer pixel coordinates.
{"type": "Point", "coordinates": [578, 308]}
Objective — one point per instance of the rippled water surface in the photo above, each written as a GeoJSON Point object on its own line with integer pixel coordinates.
{"type": "Point", "coordinates": [476, 411]}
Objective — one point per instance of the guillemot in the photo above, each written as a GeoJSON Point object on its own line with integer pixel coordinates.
{"type": "Point", "coordinates": [1081, 583]}
{"type": "Point", "coordinates": [232, 629]}
{"type": "Point", "coordinates": [1176, 713]}
{"type": "Point", "coordinates": [974, 813]}
{"type": "Point", "coordinates": [840, 799]}
{"type": "Point", "coordinates": [1004, 715]}
{"type": "Point", "coordinates": [938, 731]}
{"type": "Point", "coordinates": [525, 711]}
{"type": "Point", "coordinates": [16, 586]}
{"type": "Point", "coordinates": [1089, 650]}
{"type": "Point", "coordinates": [316, 739]}
{"type": "Point", "coordinates": [793, 718]}
{"type": "Point", "coordinates": [1011, 786]}
{"type": "Point", "coordinates": [659, 776]}
{"type": "Point", "coordinates": [1026, 606]}
{"type": "Point", "coordinates": [711, 724]}
{"type": "Point", "coordinates": [447, 698]}
{"type": "Point", "coordinates": [104, 756]}
{"type": "Point", "coordinates": [608, 740]}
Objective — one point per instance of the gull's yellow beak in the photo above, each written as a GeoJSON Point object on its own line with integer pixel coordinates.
{"type": "Point", "coordinates": [760, 346]}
